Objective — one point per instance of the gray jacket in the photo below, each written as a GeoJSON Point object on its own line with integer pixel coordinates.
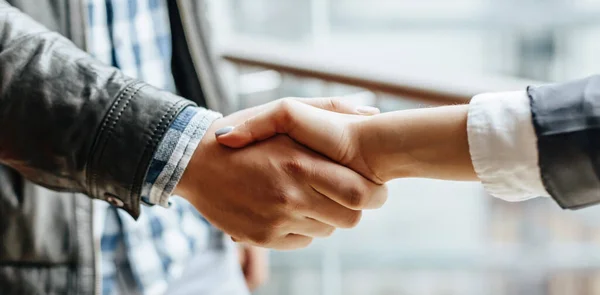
{"type": "Point", "coordinates": [566, 119]}
{"type": "Point", "coordinates": [71, 127]}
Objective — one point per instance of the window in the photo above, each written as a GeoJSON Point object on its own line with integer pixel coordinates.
{"type": "Point", "coordinates": [432, 237]}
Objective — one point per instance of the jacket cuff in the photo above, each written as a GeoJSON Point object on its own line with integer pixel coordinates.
{"type": "Point", "coordinates": [566, 118]}
{"type": "Point", "coordinates": [128, 137]}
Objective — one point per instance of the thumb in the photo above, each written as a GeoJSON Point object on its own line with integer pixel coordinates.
{"type": "Point", "coordinates": [274, 119]}
{"type": "Point", "coordinates": [283, 116]}
{"type": "Point", "coordinates": [339, 105]}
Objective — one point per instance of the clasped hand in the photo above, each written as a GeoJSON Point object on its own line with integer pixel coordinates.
{"type": "Point", "coordinates": [283, 192]}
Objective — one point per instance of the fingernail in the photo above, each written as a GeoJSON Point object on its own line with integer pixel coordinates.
{"type": "Point", "coordinates": [224, 130]}
{"type": "Point", "coordinates": [367, 110]}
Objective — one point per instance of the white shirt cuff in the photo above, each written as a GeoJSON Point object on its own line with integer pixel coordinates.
{"type": "Point", "coordinates": [503, 145]}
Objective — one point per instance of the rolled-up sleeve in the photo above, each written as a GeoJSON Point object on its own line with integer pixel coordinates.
{"type": "Point", "coordinates": [503, 145]}
{"type": "Point", "coordinates": [174, 153]}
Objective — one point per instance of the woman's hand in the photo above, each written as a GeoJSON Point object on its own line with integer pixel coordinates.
{"type": "Point", "coordinates": [425, 143]}
{"type": "Point", "coordinates": [333, 134]}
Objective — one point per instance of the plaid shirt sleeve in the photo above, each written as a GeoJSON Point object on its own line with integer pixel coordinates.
{"type": "Point", "coordinates": [174, 153]}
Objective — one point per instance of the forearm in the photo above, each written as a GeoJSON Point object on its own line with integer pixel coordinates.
{"type": "Point", "coordinates": [72, 123]}
{"type": "Point", "coordinates": [424, 143]}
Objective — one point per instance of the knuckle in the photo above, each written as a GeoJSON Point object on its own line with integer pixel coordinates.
{"type": "Point", "coordinates": [294, 166]}
{"type": "Point", "coordinates": [247, 126]}
{"type": "Point", "coordinates": [286, 104]}
{"type": "Point", "coordinates": [285, 110]}
{"type": "Point", "coordinates": [357, 197]}
{"type": "Point", "coordinates": [263, 238]}
{"type": "Point", "coordinates": [287, 202]}
{"type": "Point", "coordinates": [269, 233]}
{"type": "Point", "coordinates": [286, 100]}
{"type": "Point", "coordinates": [276, 222]}
{"type": "Point", "coordinates": [281, 198]}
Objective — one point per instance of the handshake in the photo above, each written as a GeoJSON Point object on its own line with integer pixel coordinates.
{"type": "Point", "coordinates": [281, 174]}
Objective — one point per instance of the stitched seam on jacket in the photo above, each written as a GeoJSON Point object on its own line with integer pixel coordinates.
{"type": "Point", "coordinates": [100, 138]}
{"type": "Point", "coordinates": [112, 126]}
{"type": "Point", "coordinates": [103, 137]}
{"type": "Point", "coordinates": [91, 177]}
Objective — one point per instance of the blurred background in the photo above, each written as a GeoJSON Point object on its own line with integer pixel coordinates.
{"type": "Point", "coordinates": [432, 237]}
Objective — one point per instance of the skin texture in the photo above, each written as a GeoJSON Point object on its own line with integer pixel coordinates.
{"type": "Point", "coordinates": [276, 193]}
{"type": "Point", "coordinates": [425, 143]}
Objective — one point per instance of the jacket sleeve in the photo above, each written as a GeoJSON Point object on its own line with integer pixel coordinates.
{"type": "Point", "coordinates": [70, 123]}
{"type": "Point", "coordinates": [566, 119]}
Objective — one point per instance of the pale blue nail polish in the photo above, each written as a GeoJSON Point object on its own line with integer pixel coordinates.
{"type": "Point", "coordinates": [224, 130]}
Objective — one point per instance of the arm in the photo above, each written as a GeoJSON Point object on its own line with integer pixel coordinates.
{"type": "Point", "coordinates": [276, 193]}
{"type": "Point", "coordinates": [71, 123]}
{"type": "Point", "coordinates": [428, 143]}
{"type": "Point", "coordinates": [539, 142]}
{"type": "Point", "coordinates": [491, 139]}
{"type": "Point", "coordinates": [424, 143]}
{"type": "Point", "coordinates": [67, 120]}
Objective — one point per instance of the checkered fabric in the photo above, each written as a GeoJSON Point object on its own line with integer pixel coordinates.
{"type": "Point", "coordinates": [133, 35]}
{"type": "Point", "coordinates": [143, 256]}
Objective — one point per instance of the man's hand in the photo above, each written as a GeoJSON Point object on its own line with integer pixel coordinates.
{"type": "Point", "coordinates": [255, 265]}
{"type": "Point", "coordinates": [276, 193]}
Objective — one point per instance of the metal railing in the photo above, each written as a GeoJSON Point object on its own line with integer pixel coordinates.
{"type": "Point", "coordinates": [414, 83]}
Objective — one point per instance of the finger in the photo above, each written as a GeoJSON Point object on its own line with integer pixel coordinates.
{"type": "Point", "coordinates": [242, 254]}
{"type": "Point", "coordinates": [347, 187]}
{"type": "Point", "coordinates": [309, 125]}
{"type": "Point", "coordinates": [256, 270]}
{"type": "Point", "coordinates": [269, 122]}
{"type": "Point", "coordinates": [339, 105]}
{"type": "Point", "coordinates": [290, 242]}
{"type": "Point", "coordinates": [297, 117]}
{"type": "Point", "coordinates": [330, 212]}
{"type": "Point", "coordinates": [334, 104]}
{"type": "Point", "coordinates": [313, 228]}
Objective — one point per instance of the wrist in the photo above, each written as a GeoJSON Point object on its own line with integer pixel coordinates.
{"type": "Point", "coordinates": [423, 143]}
{"type": "Point", "coordinates": [187, 186]}
{"type": "Point", "coordinates": [385, 147]}
{"type": "Point", "coordinates": [445, 150]}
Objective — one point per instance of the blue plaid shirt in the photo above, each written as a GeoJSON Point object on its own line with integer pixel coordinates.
{"type": "Point", "coordinates": [144, 256]}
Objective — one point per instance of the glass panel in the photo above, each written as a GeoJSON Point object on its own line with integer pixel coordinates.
{"type": "Point", "coordinates": [432, 237]}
